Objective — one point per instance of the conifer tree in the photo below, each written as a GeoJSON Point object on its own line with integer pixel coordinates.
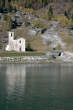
{"type": "Point", "coordinates": [66, 14]}
{"type": "Point", "coordinates": [50, 13]}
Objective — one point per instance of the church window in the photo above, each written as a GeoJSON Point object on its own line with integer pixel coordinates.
{"type": "Point", "coordinates": [11, 34]}
{"type": "Point", "coordinates": [20, 41]}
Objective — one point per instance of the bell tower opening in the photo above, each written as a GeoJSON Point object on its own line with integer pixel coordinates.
{"type": "Point", "coordinates": [11, 36]}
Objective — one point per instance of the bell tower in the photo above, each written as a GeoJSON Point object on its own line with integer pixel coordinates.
{"type": "Point", "coordinates": [11, 40]}
{"type": "Point", "coordinates": [11, 36]}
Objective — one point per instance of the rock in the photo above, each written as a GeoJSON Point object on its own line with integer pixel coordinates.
{"type": "Point", "coordinates": [18, 20]}
{"type": "Point", "coordinates": [13, 18]}
{"type": "Point", "coordinates": [5, 11]}
{"type": "Point", "coordinates": [32, 32]}
{"type": "Point", "coordinates": [3, 40]}
{"type": "Point", "coordinates": [30, 16]}
{"type": "Point", "coordinates": [43, 30]}
{"type": "Point", "coordinates": [53, 56]}
{"type": "Point", "coordinates": [1, 17]}
{"type": "Point", "coordinates": [59, 54]}
{"type": "Point", "coordinates": [27, 23]}
{"type": "Point", "coordinates": [19, 13]}
{"type": "Point", "coordinates": [54, 48]}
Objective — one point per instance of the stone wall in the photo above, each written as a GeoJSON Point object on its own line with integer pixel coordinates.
{"type": "Point", "coordinates": [26, 59]}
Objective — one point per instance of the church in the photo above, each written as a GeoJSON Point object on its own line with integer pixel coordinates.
{"type": "Point", "coordinates": [15, 45]}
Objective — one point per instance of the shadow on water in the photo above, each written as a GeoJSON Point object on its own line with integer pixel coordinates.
{"type": "Point", "coordinates": [36, 87]}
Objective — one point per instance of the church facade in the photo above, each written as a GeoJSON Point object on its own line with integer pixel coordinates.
{"type": "Point", "coordinates": [15, 45]}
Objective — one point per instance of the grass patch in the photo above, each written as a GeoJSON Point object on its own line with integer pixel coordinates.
{"type": "Point", "coordinates": [20, 54]}
{"type": "Point", "coordinates": [68, 39]}
{"type": "Point", "coordinates": [4, 26]}
{"type": "Point", "coordinates": [36, 42]}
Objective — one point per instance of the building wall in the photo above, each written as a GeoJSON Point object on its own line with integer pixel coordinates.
{"type": "Point", "coordinates": [21, 44]}
{"type": "Point", "coordinates": [15, 45]}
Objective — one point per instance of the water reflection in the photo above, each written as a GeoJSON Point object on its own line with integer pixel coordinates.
{"type": "Point", "coordinates": [36, 87]}
{"type": "Point", "coordinates": [16, 78]}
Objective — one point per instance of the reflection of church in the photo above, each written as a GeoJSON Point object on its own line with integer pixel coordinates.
{"type": "Point", "coordinates": [16, 78]}
{"type": "Point", "coordinates": [15, 45]}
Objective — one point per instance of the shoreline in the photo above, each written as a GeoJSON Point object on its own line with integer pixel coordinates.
{"type": "Point", "coordinates": [25, 59]}
{"type": "Point", "coordinates": [31, 60]}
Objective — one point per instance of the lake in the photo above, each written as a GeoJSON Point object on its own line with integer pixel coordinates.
{"type": "Point", "coordinates": [36, 86]}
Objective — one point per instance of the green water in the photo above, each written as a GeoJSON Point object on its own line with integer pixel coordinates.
{"type": "Point", "coordinates": [36, 87]}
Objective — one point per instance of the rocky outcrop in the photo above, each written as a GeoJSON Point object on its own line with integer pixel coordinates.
{"type": "Point", "coordinates": [3, 40]}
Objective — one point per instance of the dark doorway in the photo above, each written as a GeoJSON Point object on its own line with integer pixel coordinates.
{"type": "Point", "coordinates": [20, 49]}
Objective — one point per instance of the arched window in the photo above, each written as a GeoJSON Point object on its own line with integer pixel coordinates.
{"type": "Point", "coordinates": [20, 41]}
{"type": "Point", "coordinates": [11, 34]}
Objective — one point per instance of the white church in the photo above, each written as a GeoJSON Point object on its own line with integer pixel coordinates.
{"type": "Point", "coordinates": [15, 45]}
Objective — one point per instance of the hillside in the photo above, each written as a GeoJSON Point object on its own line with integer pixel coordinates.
{"type": "Point", "coordinates": [36, 4]}
{"type": "Point", "coordinates": [32, 24]}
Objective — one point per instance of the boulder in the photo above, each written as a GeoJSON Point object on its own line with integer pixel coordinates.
{"type": "Point", "coordinates": [32, 32]}
{"type": "Point", "coordinates": [43, 30]}
{"type": "Point", "coordinates": [27, 23]}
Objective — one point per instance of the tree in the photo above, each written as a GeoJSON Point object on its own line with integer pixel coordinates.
{"type": "Point", "coordinates": [66, 14]}
{"type": "Point", "coordinates": [9, 20]}
{"type": "Point", "coordinates": [28, 47]}
{"type": "Point", "coordinates": [10, 8]}
{"type": "Point", "coordinates": [50, 13]}
{"type": "Point", "coordinates": [72, 17]}
{"type": "Point", "coordinates": [69, 8]}
{"type": "Point", "coordinates": [45, 2]}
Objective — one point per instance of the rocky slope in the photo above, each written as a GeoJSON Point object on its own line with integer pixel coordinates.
{"type": "Point", "coordinates": [43, 35]}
